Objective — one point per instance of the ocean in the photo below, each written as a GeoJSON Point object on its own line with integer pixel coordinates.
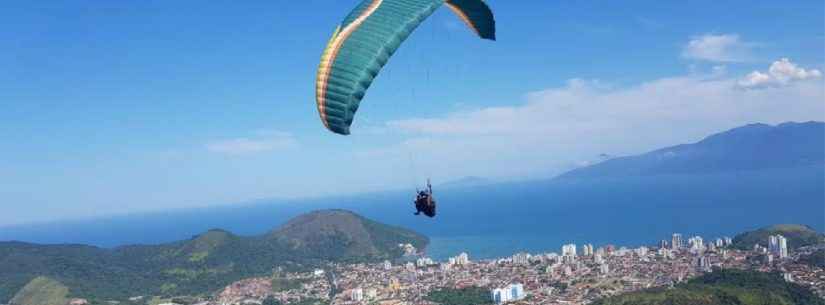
{"type": "Point", "coordinates": [502, 219]}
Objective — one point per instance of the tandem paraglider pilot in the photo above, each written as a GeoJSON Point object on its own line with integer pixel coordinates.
{"type": "Point", "coordinates": [424, 201]}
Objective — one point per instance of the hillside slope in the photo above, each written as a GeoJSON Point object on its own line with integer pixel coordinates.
{"type": "Point", "coordinates": [41, 291]}
{"type": "Point", "coordinates": [204, 262]}
{"type": "Point", "coordinates": [797, 235]}
{"type": "Point", "coordinates": [723, 287]}
{"type": "Point", "coordinates": [750, 147]}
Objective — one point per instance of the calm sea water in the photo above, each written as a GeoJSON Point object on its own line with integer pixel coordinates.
{"type": "Point", "coordinates": [499, 220]}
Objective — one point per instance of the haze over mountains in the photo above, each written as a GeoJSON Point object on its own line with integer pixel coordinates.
{"type": "Point", "coordinates": [775, 173]}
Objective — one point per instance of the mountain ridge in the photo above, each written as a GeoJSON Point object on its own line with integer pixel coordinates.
{"type": "Point", "coordinates": [749, 147]}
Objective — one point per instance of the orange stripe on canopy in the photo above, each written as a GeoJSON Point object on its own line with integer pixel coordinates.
{"type": "Point", "coordinates": [328, 59]}
{"type": "Point", "coordinates": [463, 16]}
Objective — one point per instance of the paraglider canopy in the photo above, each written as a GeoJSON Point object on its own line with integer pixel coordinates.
{"type": "Point", "coordinates": [364, 42]}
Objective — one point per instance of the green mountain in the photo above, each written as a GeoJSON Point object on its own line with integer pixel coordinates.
{"type": "Point", "coordinates": [204, 263]}
{"type": "Point", "coordinates": [42, 291]}
{"type": "Point", "coordinates": [723, 287]}
{"type": "Point", "coordinates": [797, 235]}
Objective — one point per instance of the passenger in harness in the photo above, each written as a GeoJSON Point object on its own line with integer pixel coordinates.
{"type": "Point", "coordinates": [424, 201]}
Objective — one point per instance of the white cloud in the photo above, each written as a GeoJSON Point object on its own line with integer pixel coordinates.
{"type": "Point", "coordinates": [561, 126]}
{"type": "Point", "coordinates": [782, 72]}
{"type": "Point", "coordinates": [267, 141]}
{"type": "Point", "coordinates": [718, 48]}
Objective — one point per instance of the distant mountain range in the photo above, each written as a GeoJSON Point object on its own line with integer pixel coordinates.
{"type": "Point", "coordinates": [750, 147]}
{"type": "Point", "coordinates": [203, 263]}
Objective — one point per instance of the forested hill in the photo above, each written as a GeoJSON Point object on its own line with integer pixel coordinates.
{"type": "Point", "coordinates": [205, 262]}
{"type": "Point", "coordinates": [797, 235]}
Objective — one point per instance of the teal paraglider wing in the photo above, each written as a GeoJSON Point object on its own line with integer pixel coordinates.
{"type": "Point", "coordinates": [477, 15]}
{"type": "Point", "coordinates": [364, 42]}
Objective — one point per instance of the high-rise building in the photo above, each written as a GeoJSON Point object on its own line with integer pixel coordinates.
{"type": "Point", "coordinates": [704, 263]}
{"type": "Point", "coordinates": [462, 259]}
{"type": "Point", "coordinates": [521, 259]}
{"type": "Point", "coordinates": [517, 291]}
{"type": "Point", "coordinates": [568, 250]}
{"type": "Point", "coordinates": [513, 292]}
{"type": "Point", "coordinates": [500, 295]}
{"type": "Point", "coordinates": [720, 243]}
{"type": "Point", "coordinates": [696, 243]}
{"type": "Point", "coordinates": [357, 295]}
{"type": "Point", "coordinates": [662, 244]}
{"type": "Point", "coordinates": [676, 241]}
{"type": "Point", "coordinates": [778, 245]}
{"type": "Point", "coordinates": [587, 250]}
{"type": "Point", "coordinates": [783, 247]}
{"type": "Point", "coordinates": [424, 262]}
{"type": "Point", "coordinates": [387, 265]}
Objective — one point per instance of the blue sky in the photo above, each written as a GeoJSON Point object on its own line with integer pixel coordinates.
{"type": "Point", "coordinates": [123, 106]}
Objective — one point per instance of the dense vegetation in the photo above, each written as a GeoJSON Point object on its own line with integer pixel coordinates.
{"type": "Point", "coordinates": [282, 284]}
{"type": "Point", "coordinates": [797, 235]}
{"type": "Point", "coordinates": [202, 264]}
{"type": "Point", "coordinates": [464, 296]}
{"type": "Point", "coordinates": [723, 287]}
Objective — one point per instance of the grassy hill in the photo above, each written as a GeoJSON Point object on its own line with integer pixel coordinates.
{"type": "Point", "coordinates": [797, 235]}
{"type": "Point", "coordinates": [203, 263]}
{"type": "Point", "coordinates": [723, 287]}
{"type": "Point", "coordinates": [42, 291]}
